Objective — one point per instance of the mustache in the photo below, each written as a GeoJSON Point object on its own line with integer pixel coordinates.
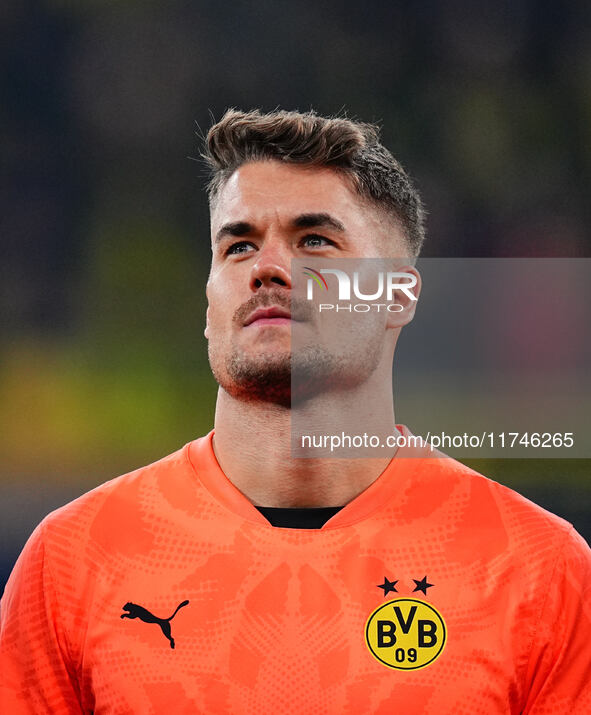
{"type": "Point", "coordinates": [299, 308]}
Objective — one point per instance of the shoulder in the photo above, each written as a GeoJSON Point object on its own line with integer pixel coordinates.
{"type": "Point", "coordinates": [113, 524]}
{"type": "Point", "coordinates": [519, 513]}
{"type": "Point", "coordinates": [485, 497]}
{"type": "Point", "coordinates": [114, 506]}
{"type": "Point", "coordinates": [439, 483]}
{"type": "Point", "coordinates": [485, 519]}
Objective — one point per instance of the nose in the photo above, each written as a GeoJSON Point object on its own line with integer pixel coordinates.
{"type": "Point", "coordinates": [272, 267]}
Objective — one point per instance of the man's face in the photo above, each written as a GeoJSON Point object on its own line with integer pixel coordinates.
{"type": "Point", "coordinates": [267, 214]}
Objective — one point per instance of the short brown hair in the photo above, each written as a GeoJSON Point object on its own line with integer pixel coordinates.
{"type": "Point", "coordinates": [347, 146]}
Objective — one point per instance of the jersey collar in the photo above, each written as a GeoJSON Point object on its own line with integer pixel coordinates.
{"type": "Point", "coordinates": [406, 462]}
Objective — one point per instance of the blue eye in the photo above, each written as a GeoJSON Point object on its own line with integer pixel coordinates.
{"type": "Point", "coordinates": [239, 247]}
{"type": "Point", "coordinates": [315, 241]}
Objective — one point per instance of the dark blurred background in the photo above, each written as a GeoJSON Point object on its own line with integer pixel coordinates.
{"type": "Point", "coordinates": [104, 226]}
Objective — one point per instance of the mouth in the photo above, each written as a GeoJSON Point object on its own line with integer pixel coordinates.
{"type": "Point", "coordinates": [269, 316]}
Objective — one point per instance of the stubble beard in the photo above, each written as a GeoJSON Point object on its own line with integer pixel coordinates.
{"type": "Point", "coordinates": [287, 379]}
{"type": "Point", "coordinates": [291, 377]}
{"type": "Point", "coordinates": [260, 378]}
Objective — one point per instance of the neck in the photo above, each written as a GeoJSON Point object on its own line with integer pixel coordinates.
{"type": "Point", "coordinates": [254, 447]}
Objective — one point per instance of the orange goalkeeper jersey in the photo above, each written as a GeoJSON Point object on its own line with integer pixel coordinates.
{"type": "Point", "coordinates": [436, 590]}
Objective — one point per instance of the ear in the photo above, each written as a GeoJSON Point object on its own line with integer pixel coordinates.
{"type": "Point", "coordinates": [406, 296]}
{"type": "Point", "coordinates": [206, 331]}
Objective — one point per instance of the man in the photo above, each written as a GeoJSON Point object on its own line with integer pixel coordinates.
{"type": "Point", "coordinates": [235, 577]}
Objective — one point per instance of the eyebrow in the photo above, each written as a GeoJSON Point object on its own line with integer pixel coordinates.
{"type": "Point", "coordinates": [317, 220]}
{"type": "Point", "coordinates": [308, 220]}
{"type": "Point", "coordinates": [235, 228]}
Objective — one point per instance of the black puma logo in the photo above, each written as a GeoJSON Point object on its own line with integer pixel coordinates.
{"type": "Point", "coordinates": [135, 611]}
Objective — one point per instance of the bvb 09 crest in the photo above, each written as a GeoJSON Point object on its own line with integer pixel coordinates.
{"type": "Point", "coordinates": [405, 634]}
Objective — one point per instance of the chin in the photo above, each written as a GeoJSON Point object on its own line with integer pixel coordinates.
{"type": "Point", "coordinates": [264, 378]}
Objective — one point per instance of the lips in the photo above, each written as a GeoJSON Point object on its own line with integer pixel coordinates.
{"type": "Point", "coordinates": [270, 316]}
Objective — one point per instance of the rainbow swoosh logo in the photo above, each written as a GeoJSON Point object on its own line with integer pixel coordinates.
{"type": "Point", "coordinates": [319, 278]}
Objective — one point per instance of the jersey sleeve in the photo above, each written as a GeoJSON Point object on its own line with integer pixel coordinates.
{"type": "Point", "coordinates": [559, 670]}
{"type": "Point", "coordinates": [36, 675]}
